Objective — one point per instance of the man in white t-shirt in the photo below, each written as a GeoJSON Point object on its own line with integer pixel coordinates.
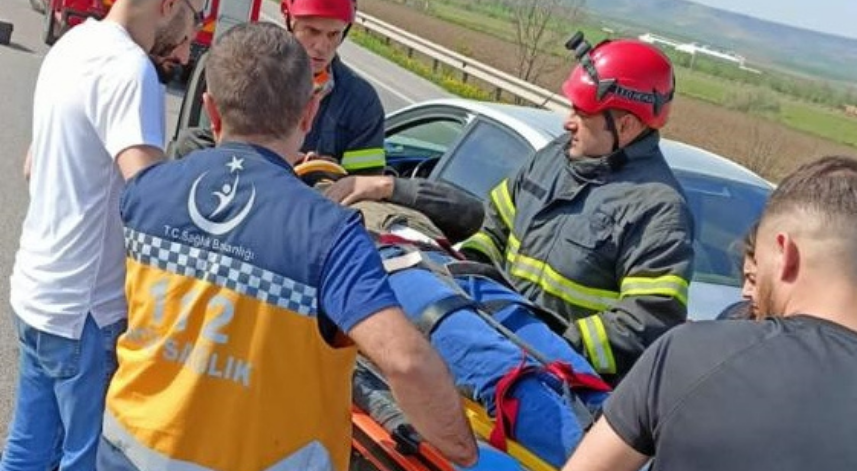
{"type": "Point", "coordinates": [98, 118]}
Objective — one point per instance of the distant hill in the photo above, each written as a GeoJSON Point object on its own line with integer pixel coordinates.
{"type": "Point", "coordinates": [761, 42]}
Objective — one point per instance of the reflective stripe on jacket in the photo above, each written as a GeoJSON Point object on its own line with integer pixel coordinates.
{"type": "Point", "coordinates": [608, 247]}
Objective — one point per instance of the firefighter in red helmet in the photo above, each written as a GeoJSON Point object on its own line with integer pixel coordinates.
{"type": "Point", "coordinates": [349, 126]}
{"type": "Point", "coordinates": [595, 226]}
{"type": "Point", "coordinates": [626, 75]}
{"type": "Point", "coordinates": [320, 25]}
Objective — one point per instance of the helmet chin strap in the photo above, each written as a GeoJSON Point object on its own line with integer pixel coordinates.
{"type": "Point", "coordinates": [617, 157]}
{"type": "Point", "coordinates": [611, 126]}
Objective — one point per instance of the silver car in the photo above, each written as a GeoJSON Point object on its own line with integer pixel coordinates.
{"type": "Point", "coordinates": [474, 145]}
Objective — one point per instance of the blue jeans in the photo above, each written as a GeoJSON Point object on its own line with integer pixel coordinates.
{"type": "Point", "coordinates": [60, 397]}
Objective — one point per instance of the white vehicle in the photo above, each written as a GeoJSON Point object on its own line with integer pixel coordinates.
{"type": "Point", "coordinates": [474, 145]}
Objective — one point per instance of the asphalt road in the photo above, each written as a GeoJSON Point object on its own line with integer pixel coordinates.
{"type": "Point", "coordinates": [19, 66]}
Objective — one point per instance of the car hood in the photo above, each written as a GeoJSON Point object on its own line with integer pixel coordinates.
{"type": "Point", "coordinates": [707, 300]}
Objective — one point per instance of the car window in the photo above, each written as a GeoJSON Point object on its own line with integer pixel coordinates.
{"type": "Point", "coordinates": [204, 120]}
{"type": "Point", "coordinates": [487, 154]}
{"type": "Point", "coordinates": [723, 211]}
{"type": "Point", "coordinates": [414, 149]}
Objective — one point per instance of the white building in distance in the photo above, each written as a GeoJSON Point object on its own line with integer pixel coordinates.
{"type": "Point", "coordinates": [693, 49]}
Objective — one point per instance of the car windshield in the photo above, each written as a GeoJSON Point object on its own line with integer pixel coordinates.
{"type": "Point", "coordinates": [723, 211]}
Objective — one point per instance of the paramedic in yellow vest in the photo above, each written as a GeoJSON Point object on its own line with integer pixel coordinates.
{"type": "Point", "coordinates": [349, 126]}
{"type": "Point", "coordinates": [595, 226]}
{"type": "Point", "coordinates": [250, 293]}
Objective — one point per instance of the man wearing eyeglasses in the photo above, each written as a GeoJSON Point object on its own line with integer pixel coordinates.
{"type": "Point", "coordinates": [98, 119]}
{"type": "Point", "coordinates": [168, 57]}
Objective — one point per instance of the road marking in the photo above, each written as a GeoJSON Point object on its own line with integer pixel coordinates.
{"type": "Point", "coordinates": [368, 76]}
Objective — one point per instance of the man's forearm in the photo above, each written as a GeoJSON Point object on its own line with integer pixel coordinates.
{"type": "Point", "coordinates": [419, 381]}
{"type": "Point", "coordinates": [457, 214]}
{"type": "Point", "coordinates": [424, 390]}
{"type": "Point", "coordinates": [603, 450]}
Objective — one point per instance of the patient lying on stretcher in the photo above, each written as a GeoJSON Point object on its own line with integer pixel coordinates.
{"type": "Point", "coordinates": [539, 391]}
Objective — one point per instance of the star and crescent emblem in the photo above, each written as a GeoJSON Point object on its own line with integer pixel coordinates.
{"type": "Point", "coordinates": [225, 197]}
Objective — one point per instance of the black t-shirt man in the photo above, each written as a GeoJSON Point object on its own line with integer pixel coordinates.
{"type": "Point", "coordinates": [774, 395]}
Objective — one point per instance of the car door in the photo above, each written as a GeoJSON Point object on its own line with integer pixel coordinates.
{"type": "Point", "coordinates": [227, 14]}
{"type": "Point", "coordinates": [191, 113]}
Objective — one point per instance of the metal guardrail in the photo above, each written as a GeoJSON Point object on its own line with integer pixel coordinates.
{"type": "Point", "coordinates": [502, 81]}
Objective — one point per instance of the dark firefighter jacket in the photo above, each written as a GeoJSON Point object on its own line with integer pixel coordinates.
{"type": "Point", "coordinates": [349, 125]}
{"type": "Point", "coordinates": [606, 243]}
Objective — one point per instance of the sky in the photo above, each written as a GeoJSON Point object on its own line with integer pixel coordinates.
{"type": "Point", "coordinates": [828, 16]}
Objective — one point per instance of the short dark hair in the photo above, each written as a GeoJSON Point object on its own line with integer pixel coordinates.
{"type": "Point", "coordinates": [826, 187]}
{"type": "Point", "coordinates": [260, 78]}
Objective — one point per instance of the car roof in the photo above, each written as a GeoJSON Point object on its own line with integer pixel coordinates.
{"type": "Point", "coordinates": [540, 126]}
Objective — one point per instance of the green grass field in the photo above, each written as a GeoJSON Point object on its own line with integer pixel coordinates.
{"type": "Point", "coordinates": [490, 21]}
{"type": "Point", "coordinates": [803, 116]}
{"type": "Point", "coordinates": [829, 124]}
{"type": "Point", "coordinates": [472, 20]}
{"type": "Point", "coordinates": [702, 87]}
{"type": "Point", "coordinates": [445, 78]}
{"type": "Point", "coordinates": [807, 117]}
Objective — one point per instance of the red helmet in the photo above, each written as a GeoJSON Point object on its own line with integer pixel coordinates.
{"type": "Point", "coordinates": [623, 74]}
{"type": "Point", "coordinates": [338, 9]}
